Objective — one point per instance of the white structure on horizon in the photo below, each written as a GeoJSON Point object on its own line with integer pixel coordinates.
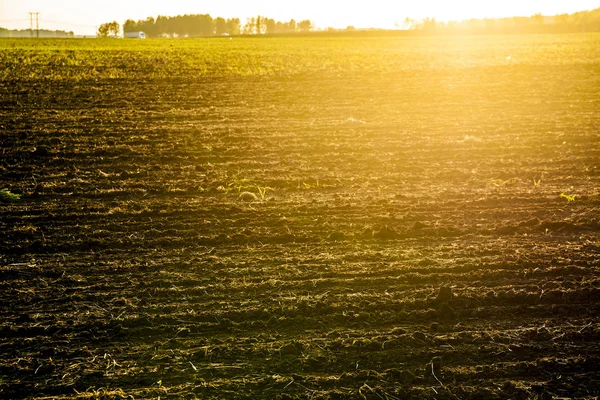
{"type": "Point", "coordinates": [135, 35]}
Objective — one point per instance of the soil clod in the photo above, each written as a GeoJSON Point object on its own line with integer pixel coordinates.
{"type": "Point", "coordinates": [291, 349]}
{"type": "Point", "coordinates": [337, 236]}
{"type": "Point", "coordinates": [41, 151]}
{"type": "Point", "coordinates": [385, 233]}
{"type": "Point", "coordinates": [444, 294]}
{"type": "Point", "coordinates": [248, 196]}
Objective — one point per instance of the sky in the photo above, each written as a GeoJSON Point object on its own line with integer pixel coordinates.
{"type": "Point", "coordinates": [84, 16]}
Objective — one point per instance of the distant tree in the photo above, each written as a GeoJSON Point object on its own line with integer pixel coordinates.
{"type": "Point", "coordinates": [183, 25]}
{"type": "Point", "coordinates": [103, 30]}
{"type": "Point", "coordinates": [204, 24]}
{"type": "Point", "coordinates": [563, 19]}
{"type": "Point", "coordinates": [149, 27]}
{"type": "Point", "coordinates": [115, 29]}
{"type": "Point", "coordinates": [109, 29]}
{"type": "Point", "coordinates": [291, 26]}
{"type": "Point", "coordinates": [350, 28]}
{"type": "Point", "coordinates": [258, 25]}
{"type": "Point", "coordinates": [305, 25]}
{"type": "Point", "coordinates": [270, 26]}
{"type": "Point", "coordinates": [220, 26]}
{"type": "Point", "coordinates": [489, 24]}
{"type": "Point", "coordinates": [429, 24]}
{"type": "Point", "coordinates": [130, 26]}
{"type": "Point", "coordinates": [250, 26]}
{"type": "Point", "coordinates": [234, 26]}
{"type": "Point", "coordinates": [161, 25]}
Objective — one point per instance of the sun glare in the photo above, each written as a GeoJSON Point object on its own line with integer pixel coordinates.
{"type": "Point", "coordinates": [208, 200]}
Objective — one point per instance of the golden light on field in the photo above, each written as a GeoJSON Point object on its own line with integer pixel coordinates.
{"type": "Point", "coordinates": [367, 214]}
{"type": "Point", "coordinates": [84, 16]}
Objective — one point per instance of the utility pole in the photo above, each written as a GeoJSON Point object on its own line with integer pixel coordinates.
{"type": "Point", "coordinates": [37, 23]}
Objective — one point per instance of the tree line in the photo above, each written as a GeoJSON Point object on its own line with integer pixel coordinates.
{"type": "Point", "coordinates": [26, 33]}
{"type": "Point", "coordinates": [199, 25]}
{"type": "Point", "coordinates": [583, 21]}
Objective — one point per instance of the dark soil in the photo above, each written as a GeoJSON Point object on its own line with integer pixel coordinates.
{"type": "Point", "coordinates": [407, 239]}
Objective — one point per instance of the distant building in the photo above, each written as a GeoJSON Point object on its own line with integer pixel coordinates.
{"type": "Point", "coordinates": [135, 35]}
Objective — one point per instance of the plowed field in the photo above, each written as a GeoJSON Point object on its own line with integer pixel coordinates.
{"type": "Point", "coordinates": [321, 218]}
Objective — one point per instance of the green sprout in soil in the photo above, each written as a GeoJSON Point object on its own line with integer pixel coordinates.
{"type": "Point", "coordinates": [263, 191]}
{"type": "Point", "coordinates": [309, 186]}
{"type": "Point", "coordinates": [7, 197]}
{"type": "Point", "coordinates": [537, 183]}
{"type": "Point", "coordinates": [502, 182]}
{"type": "Point", "coordinates": [569, 197]}
{"type": "Point", "coordinates": [236, 185]}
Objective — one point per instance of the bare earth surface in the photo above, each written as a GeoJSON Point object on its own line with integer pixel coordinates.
{"type": "Point", "coordinates": [398, 234]}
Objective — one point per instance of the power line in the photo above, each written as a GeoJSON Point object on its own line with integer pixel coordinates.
{"type": "Point", "coordinates": [48, 21]}
{"type": "Point", "coordinates": [37, 23]}
{"type": "Point", "coordinates": [67, 23]}
{"type": "Point", "coordinates": [34, 22]}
